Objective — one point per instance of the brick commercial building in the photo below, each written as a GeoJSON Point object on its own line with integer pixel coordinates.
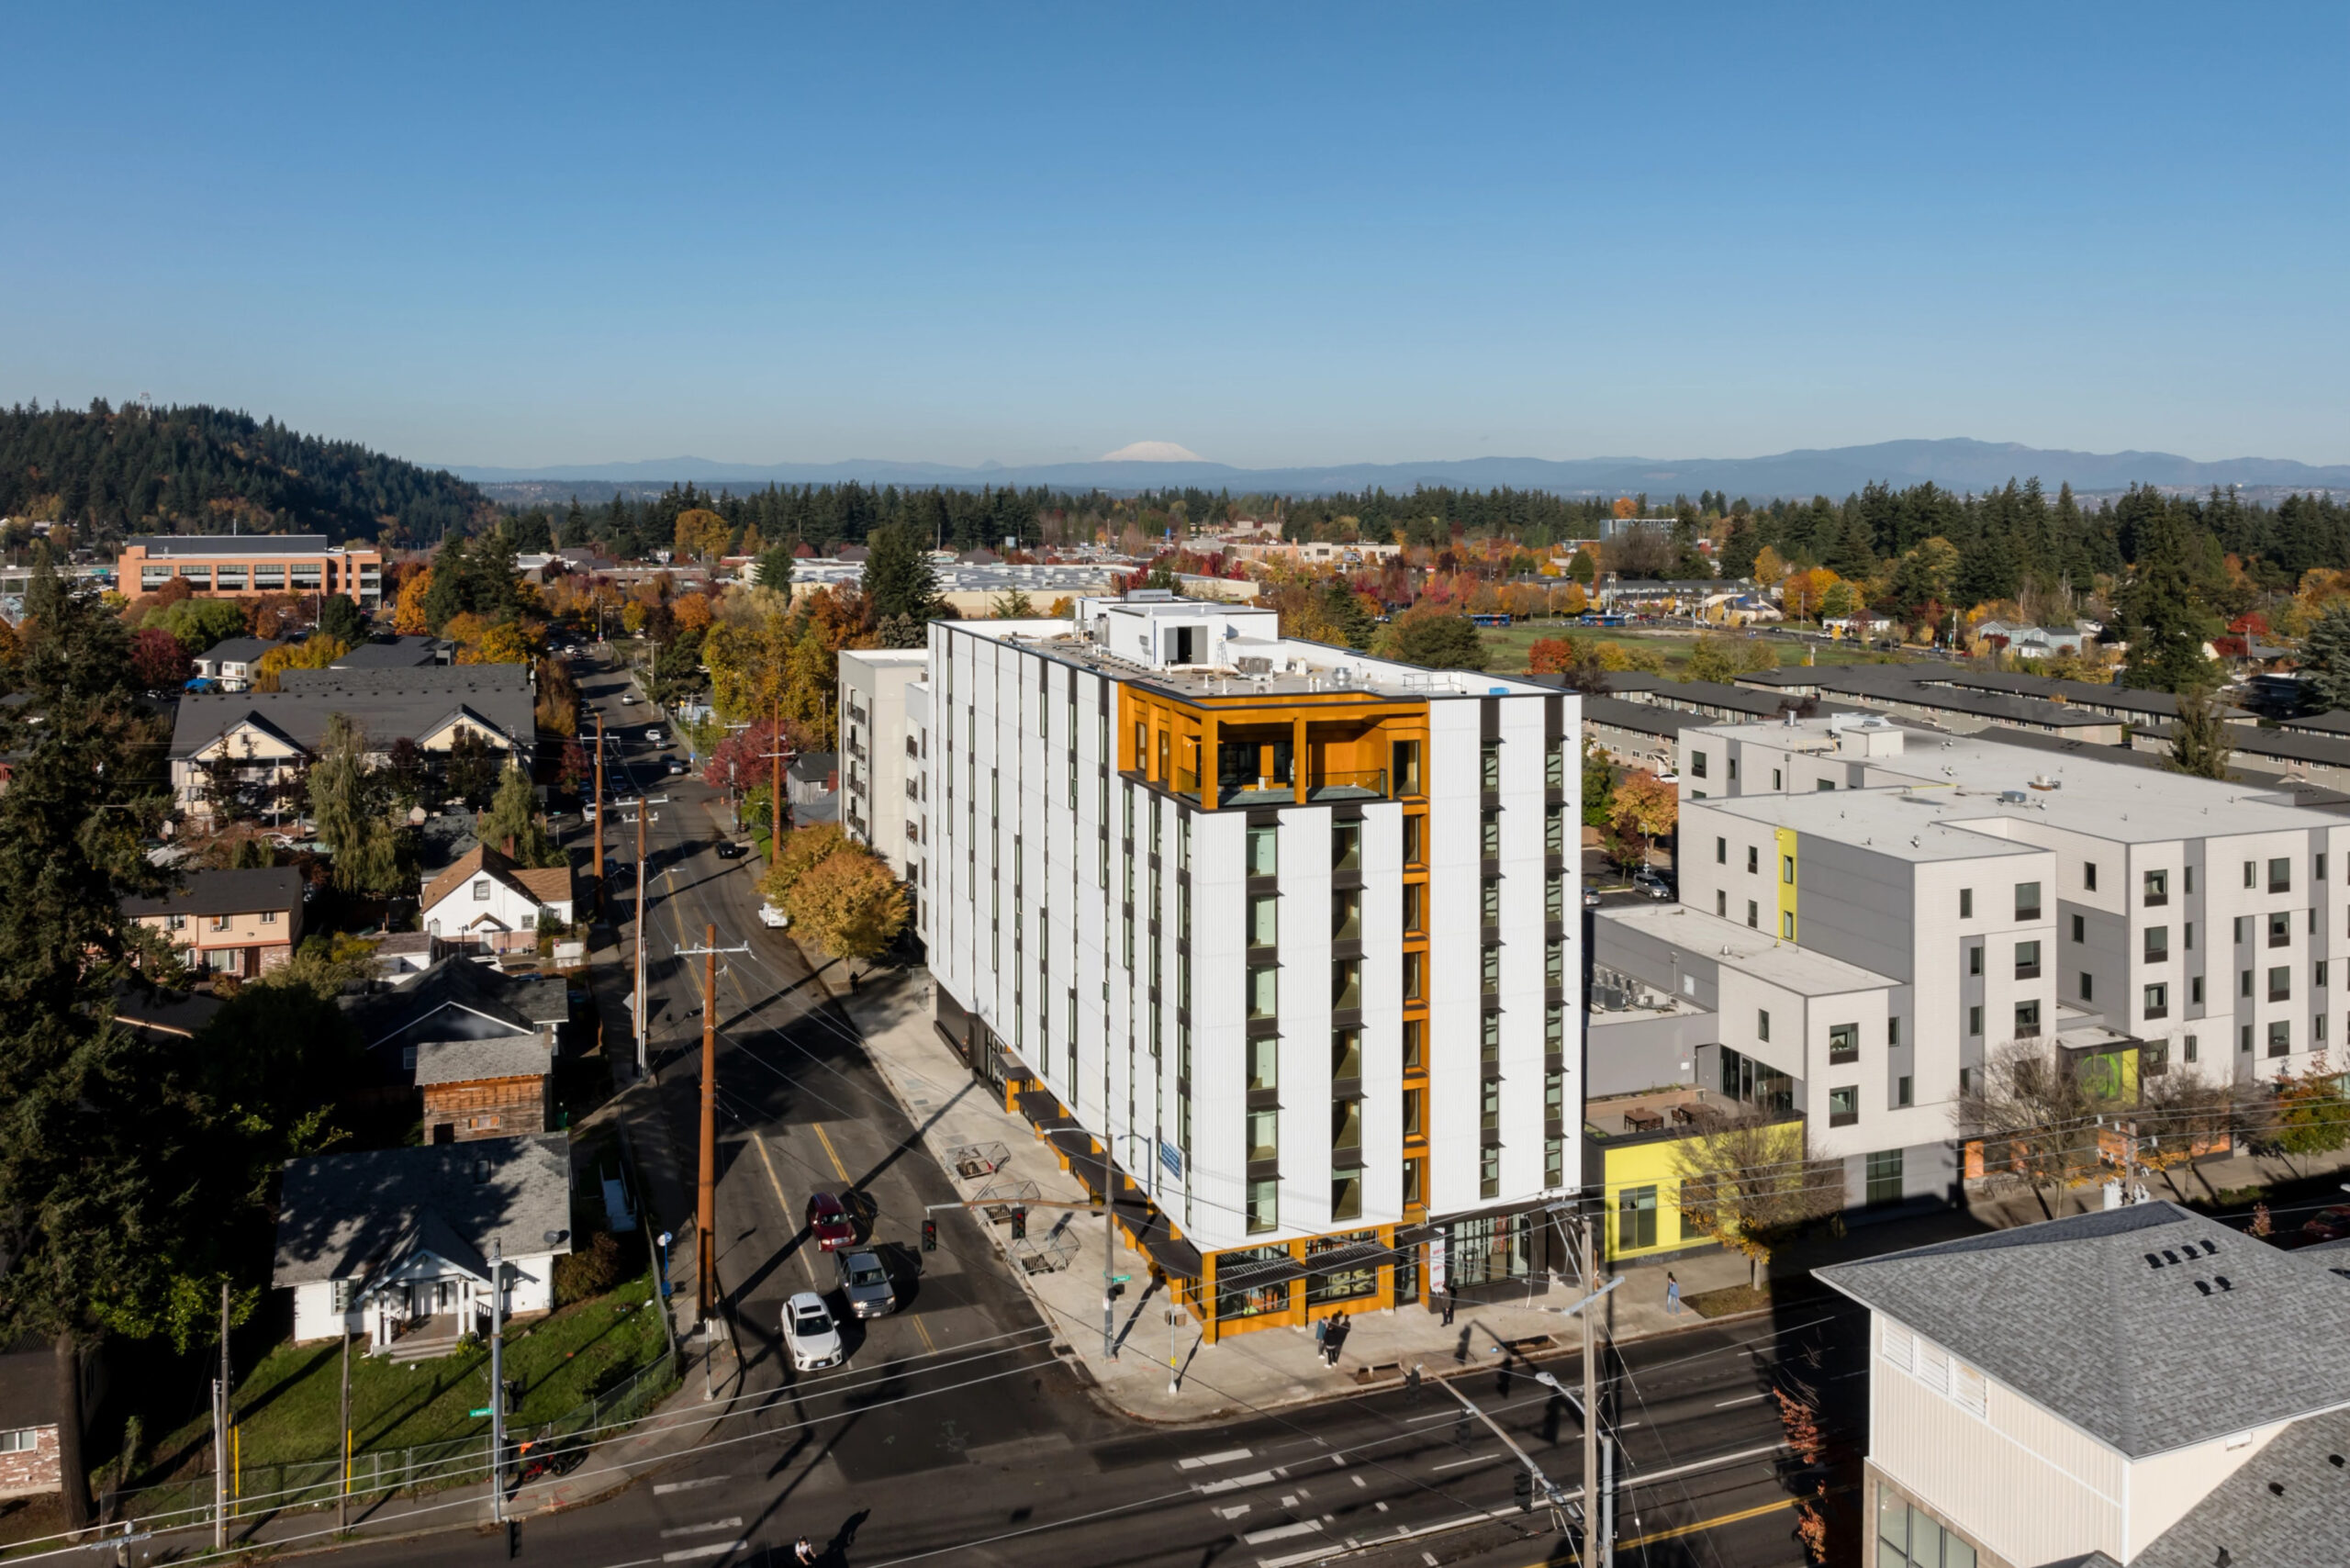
{"type": "Point", "coordinates": [247, 566]}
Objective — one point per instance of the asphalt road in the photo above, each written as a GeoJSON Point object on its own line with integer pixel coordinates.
{"type": "Point", "coordinates": [954, 1434]}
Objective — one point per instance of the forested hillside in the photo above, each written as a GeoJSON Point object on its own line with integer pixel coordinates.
{"type": "Point", "coordinates": [110, 471]}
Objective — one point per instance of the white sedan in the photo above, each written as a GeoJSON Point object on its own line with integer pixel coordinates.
{"type": "Point", "coordinates": [773, 918]}
{"type": "Point", "coordinates": [810, 1333]}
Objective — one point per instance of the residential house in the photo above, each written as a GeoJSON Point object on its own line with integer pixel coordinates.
{"type": "Point", "coordinates": [2140, 1387]}
{"type": "Point", "coordinates": [234, 663]}
{"type": "Point", "coordinates": [456, 999]}
{"type": "Point", "coordinates": [395, 1243]}
{"type": "Point", "coordinates": [395, 653]}
{"type": "Point", "coordinates": [479, 1088]}
{"type": "Point", "coordinates": [486, 902]}
{"type": "Point", "coordinates": [28, 1413]}
{"type": "Point", "coordinates": [241, 923]}
{"type": "Point", "coordinates": [256, 744]}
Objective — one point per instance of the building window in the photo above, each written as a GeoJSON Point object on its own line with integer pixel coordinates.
{"type": "Point", "coordinates": [1843, 1043]}
{"type": "Point", "coordinates": [1696, 765]}
{"type": "Point", "coordinates": [1264, 1208]}
{"type": "Point", "coordinates": [1635, 1218]}
{"type": "Point", "coordinates": [1489, 767]}
{"type": "Point", "coordinates": [1753, 860]}
{"type": "Point", "coordinates": [1264, 1137]}
{"type": "Point", "coordinates": [1974, 1019]}
{"type": "Point", "coordinates": [2158, 1002]}
{"type": "Point", "coordinates": [2156, 945]}
{"type": "Point", "coordinates": [2027, 1019]}
{"type": "Point", "coordinates": [2280, 930]}
{"type": "Point", "coordinates": [1762, 1026]}
{"type": "Point", "coordinates": [1264, 853]}
{"type": "Point", "coordinates": [1786, 926]}
{"type": "Point", "coordinates": [1346, 846]}
{"type": "Point", "coordinates": [2317, 976]}
{"type": "Point", "coordinates": [1907, 1538]}
{"type": "Point", "coordinates": [2027, 900]}
{"type": "Point", "coordinates": [1774, 780]}
{"type": "Point", "coordinates": [1893, 1032]}
{"type": "Point", "coordinates": [2280, 875]}
{"type": "Point", "coordinates": [1264, 992]}
{"type": "Point", "coordinates": [1753, 915]}
{"type": "Point", "coordinates": [481, 890]}
{"type": "Point", "coordinates": [2080, 928]}
{"type": "Point", "coordinates": [1883, 1176]}
{"type": "Point", "coordinates": [2280, 983]}
{"type": "Point", "coordinates": [1489, 1117]}
{"type": "Point", "coordinates": [2252, 873]}
{"type": "Point", "coordinates": [269, 918]}
{"type": "Point", "coordinates": [1721, 852]}
{"type": "Point", "coordinates": [1346, 1202]}
{"type": "Point", "coordinates": [2280, 1038]}
{"type": "Point", "coordinates": [2194, 990]}
{"type": "Point", "coordinates": [1346, 984]}
{"type": "Point", "coordinates": [1264, 1063]}
{"type": "Point", "coordinates": [1844, 1108]}
{"type": "Point", "coordinates": [1966, 904]}
{"type": "Point", "coordinates": [1721, 904]}
{"type": "Point", "coordinates": [1415, 1178]}
{"type": "Point", "coordinates": [1415, 970]}
{"type": "Point", "coordinates": [2191, 1049]}
{"type": "Point", "coordinates": [1554, 1162]}
{"type": "Point", "coordinates": [1489, 1174]}
{"type": "Point", "coordinates": [2027, 961]}
{"type": "Point", "coordinates": [1345, 1053]}
{"type": "Point", "coordinates": [2157, 889]}
{"type": "Point", "coordinates": [1492, 905]}
{"type": "Point", "coordinates": [1788, 869]}
{"type": "Point", "coordinates": [1264, 921]}
{"type": "Point", "coordinates": [1904, 1092]}
{"type": "Point", "coordinates": [24, 1439]}
{"type": "Point", "coordinates": [1975, 959]}
{"type": "Point", "coordinates": [1415, 1031]}
{"type": "Point", "coordinates": [1492, 978]}
{"type": "Point", "coordinates": [1489, 834]}
{"type": "Point", "coordinates": [1413, 1100]}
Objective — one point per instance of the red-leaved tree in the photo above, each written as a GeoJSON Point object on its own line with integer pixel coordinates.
{"type": "Point", "coordinates": [157, 659]}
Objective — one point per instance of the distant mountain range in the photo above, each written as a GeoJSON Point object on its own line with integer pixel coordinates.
{"type": "Point", "coordinates": [1958, 465]}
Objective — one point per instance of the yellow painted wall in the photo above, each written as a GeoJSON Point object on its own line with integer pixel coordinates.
{"type": "Point", "coordinates": [1786, 837]}
{"type": "Point", "coordinates": [1658, 1164]}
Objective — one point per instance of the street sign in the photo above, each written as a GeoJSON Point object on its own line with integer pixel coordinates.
{"type": "Point", "coordinates": [1121, 1279]}
{"type": "Point", "coordinates": [481, 1413]}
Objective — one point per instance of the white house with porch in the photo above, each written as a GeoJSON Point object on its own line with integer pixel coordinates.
{"type": "Point", "coordinates": [394, 1243]}
{"type": "Point", "coordinates": [488, 901]}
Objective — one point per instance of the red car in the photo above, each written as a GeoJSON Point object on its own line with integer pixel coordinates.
{"type": "Point", "coordinates": [2328, 1224]}
{"type": "Point", "coordinates": [829, 1222]}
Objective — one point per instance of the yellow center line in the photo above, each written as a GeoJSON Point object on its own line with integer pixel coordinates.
{"type": "Point", "coordinates": [838, 1169]}
{"type": "Point", "coordinates": [926, 1345]}
{"type": "Point", "coordinates": [784, 1204]}
{"type": "Point", "coordinates": [1700, 1528]}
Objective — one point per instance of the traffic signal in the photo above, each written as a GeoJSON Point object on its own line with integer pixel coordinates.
{"type": "Point", "coordinates": [1524, 1487]}
{"type": "Point", "coordinates": [1020, 1224]}
{"type": "Point", "coordinates": [930, 1235]}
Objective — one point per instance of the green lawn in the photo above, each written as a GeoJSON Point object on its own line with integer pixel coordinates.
{"type": "Point", "coordinates": [1508, 647]}
{"type": "Point", "coordinates": [287, 1406]}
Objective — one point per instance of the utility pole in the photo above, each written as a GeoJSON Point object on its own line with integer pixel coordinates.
{"type": "Point", "coordinates": [343, 1496]}
{"type": "Point", "coordinates": [496, 1380]}
{"type": "Point", "coordinates": [1542, 1484]}
{"type": "Point", "coordinates": [220, 1434]}
{"type": "Point", "coordinates": [599, 810]}
{"type": "Point", "coordinates": [644, 804]}
{"type": "Point", "coordinates": [1594, 1543]}
{"type": "Point", "coordinates": [706, 1198]}
{"type": "Point", "coordinates": [777, 752]}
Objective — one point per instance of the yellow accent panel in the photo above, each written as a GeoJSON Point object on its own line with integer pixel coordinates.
{"type": "Point", "coordinates": [1658, 1164]}
{"type": "Point", "coordinates": [1787, 836]}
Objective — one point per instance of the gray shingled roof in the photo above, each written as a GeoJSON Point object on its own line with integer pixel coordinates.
{"type": "Point", "coordinates": [401, 653]}
{"type": "Point", "coordinates": [240, 650]}
{"type": "Point", "coordinates": [473, 1062]}
{"type": "Point", "coordinates": [226, 892]}
{"type": "Point", "coordinates": [389, 704]}
{"type": "Point", "coordinates": [2288, 1507]}
{"type": "Point", "coordinates": [2219, 1333]}
{"type": "Point", "coordinates": [340, 1214]}
{"type": "Point", "coordinates": [519, 1003]}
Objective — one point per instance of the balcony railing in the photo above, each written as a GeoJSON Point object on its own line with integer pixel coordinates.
{"type": "Point", "coordinates": [1331, 784]}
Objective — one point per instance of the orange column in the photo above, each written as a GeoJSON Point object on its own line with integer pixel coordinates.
{"type": "Point", "coordinates": [1300, 759]}
{"type": "Point", "coordinates": [1207, 763]}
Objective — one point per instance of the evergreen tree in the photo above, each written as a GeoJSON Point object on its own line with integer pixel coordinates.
{"type": "Point", "coordinates": [773, 569]}
{"type": "Point", "coordinates": [898, 578]}
{"type": "Point", "coordinates": [341, 620]}
{"type": "Point", "coordinates": [1437, 641]}
{"type": "Point", "coordinates": [513, 819]}
{"type": "Point", "coordinates": [2325, 656]}
{"type": "Point", "coordinates": [347, 805]}
{"type": "Point", "coordinates": [2162, 609]}
{"type": "Point", "coordinates": [1346, 614]}
{"type": "Point", "coordinates": [2199, 740]}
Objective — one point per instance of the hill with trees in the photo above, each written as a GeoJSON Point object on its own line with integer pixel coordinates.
{"type": "Point", "coordinates": [106, 471]}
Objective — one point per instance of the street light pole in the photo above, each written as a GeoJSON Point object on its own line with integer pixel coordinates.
{"type": "Point", "coordinates": [497, 1382]}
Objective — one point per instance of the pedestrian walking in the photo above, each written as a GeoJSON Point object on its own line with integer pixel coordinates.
{"type": "Point", "coordinates": [1332, 1340]}
{"type": "Point", "coordinates": [803, 1550]}
{"type": "Point", "coordinates": [1322, 1338]}
{"type": "Point", "coordinates": [1447, 1306]}
{"type": "Point", "coordinates": [1672, 1295]}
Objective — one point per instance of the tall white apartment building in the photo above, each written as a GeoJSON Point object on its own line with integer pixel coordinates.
{"type": "Point", "coordinates": [876, 765]}
{"type": "Point", "coordinates": [1285, 930]}
{"type": "Point", "coordinates": [1974, 894]}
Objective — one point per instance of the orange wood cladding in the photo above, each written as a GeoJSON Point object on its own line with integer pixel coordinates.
{"type": "Point", "coordinates": [1164, 739]}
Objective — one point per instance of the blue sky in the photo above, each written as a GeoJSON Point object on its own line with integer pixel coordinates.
{"type": "Point", "coordinates": [1274, 234]}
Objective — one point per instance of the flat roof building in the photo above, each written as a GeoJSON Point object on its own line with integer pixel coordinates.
{"type": "Point", "coordinates": [246, 565]}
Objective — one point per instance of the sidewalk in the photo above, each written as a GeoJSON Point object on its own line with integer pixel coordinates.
{"type": "Point", "coordinates": [1254, 1371]}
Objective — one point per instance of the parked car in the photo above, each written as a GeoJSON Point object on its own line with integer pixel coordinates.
{"type": "Point", "coordinates": [829, 1223]}
{"type": "Point", "coordinates": [1590, 897]}
{"type": "Point", "coordinates": [1651, 884]}
{"type": "Point", "coordinates": [773, 918]}
{"type": "Point", "coordinates": [810, 1333]}
{"type": "Point", "coordinates": [672, 766]}
{"type": "Point", "coordinates": [653, 737]}
{"type": "Point", "coordinates": [628, 699]}
{"type": "Point", "coordinates": [2328, 1224]}
{"type": "Point", "coordinates": [730, 850]}
{"type": "Point", "coordinates": [864, 1284]}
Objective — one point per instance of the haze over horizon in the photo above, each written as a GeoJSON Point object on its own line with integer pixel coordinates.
{"type": "Point", "coordinates": [597, 235]}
